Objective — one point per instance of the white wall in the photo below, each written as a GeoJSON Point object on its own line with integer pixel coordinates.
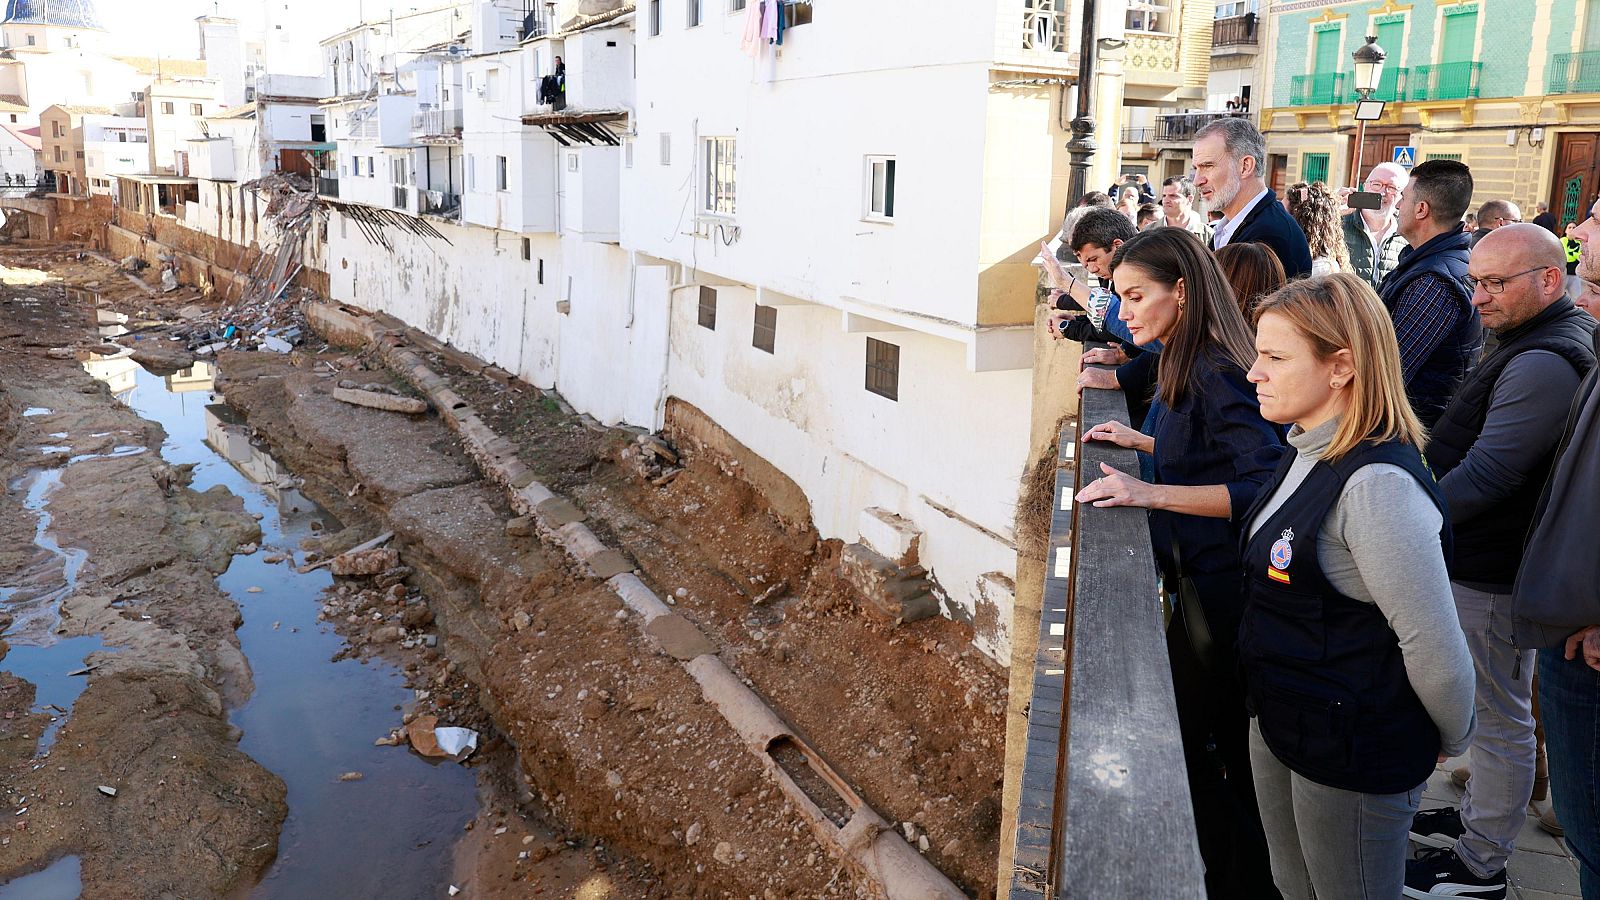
{"type": "Point", "coordinates": [212, 159]}
{"type": "Point", "coordinates": [18, 162]}
{"type": "Point", "coordinates": [601, 76]}
{"type": "Point", "coordinates": [287, 121]}
{"type": "Point", "coordinates": [223, 51]}
{"type": "Point", "coordinates": [591, 205]}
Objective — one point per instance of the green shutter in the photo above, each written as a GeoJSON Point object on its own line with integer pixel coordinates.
{"type": "Point", "coordinates": [1328, 51]}
{"type": "Point", "coordinates": [1390, 37]}
{"type": "Point", "coordinates": [1314, 167]}
{"type": "Point", "coordinates": [1591, 25]}
{"type": "Point", "coordinates": [1460, 37]}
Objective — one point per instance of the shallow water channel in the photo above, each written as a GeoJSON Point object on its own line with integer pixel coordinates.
{"type": "Point", "coordinates": [310, 719]}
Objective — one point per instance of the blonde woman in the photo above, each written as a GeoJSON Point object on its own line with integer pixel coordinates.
{"type": "Point", "coordinates": [1356, 669]}
{"type": "Point", "coordinates": [1316, 209]}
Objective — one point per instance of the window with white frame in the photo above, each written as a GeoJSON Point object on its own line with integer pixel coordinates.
{"type": "Point", "coordinates": [796, 12]}
{"type": "Point", "coordinates": [472, 172]}
{"type": "Point", "coordinates": [502, 173]}
{"type": "Point", "coordinates": [666, 149]}
{"type": "Point", "coordinates": [880, 187]}
{"type": "Point", "coordinates": [1231, 8]}
{"type": "Point", "coordinates": [696, 12]}
{"type": "Point", "coordinates": [655, 18]}
{"type": "Point", "coordinates": [735, 5]}
{"type": "Point", "coordinates": [720, 171]}
{"type": "Point", "coordinates": [1144, 15]}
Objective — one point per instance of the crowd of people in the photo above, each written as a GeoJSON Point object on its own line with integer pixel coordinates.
{"type": "Point", "coordinates": [1367, 442]}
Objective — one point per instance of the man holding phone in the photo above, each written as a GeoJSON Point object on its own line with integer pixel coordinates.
{"type": "Point", "coordinates": [1372, 236]}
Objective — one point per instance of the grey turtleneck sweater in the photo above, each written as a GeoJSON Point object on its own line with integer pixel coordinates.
{"type": "Point", "coordinates": [1380, 544]}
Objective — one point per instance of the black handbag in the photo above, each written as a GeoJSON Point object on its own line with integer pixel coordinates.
{"type": "Point", "coordinates": [1193, 613]}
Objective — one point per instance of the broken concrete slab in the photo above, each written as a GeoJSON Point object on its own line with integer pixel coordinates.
{"type": "Point", "coordinates": [678, 637]}
{"type": "Point", "coordinates": [375, 561]}
{"type": "Point", "coordinates": [386, 402]}
{"type": "Point", "coordinates": [609, 564]}
{"type": "Point", "coordinates": [557, 512]}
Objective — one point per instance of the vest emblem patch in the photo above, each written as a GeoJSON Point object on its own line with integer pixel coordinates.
{"type": "Point", "coordinates": [1280, 557]}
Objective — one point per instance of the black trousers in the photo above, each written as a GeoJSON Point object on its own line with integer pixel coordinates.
{"type": "Point", "coordinates": [1216, 747]}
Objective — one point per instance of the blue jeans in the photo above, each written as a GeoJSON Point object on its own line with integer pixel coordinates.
{"type": "Point", "coordinates": [1569, 699]}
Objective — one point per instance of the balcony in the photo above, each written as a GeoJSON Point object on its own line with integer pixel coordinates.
{"type": "Point", "coordinates": [1321, 89]}
{"type": "Point", "coordinates": [1392, 85]}
{"type": "Point", "coordinates": [1233, 35]}
{"type": "Point", "coordinates": [438, 203]}
{"type": "Point", "coordinates": [327, 186]}
{"type": "Point", "coordinates": [434, 125]}
{"type": "Point", "coordinates": [1444, 81]}
{"type": "Point", "coordinates": [1574, 73]}
{"type": "Point", "coordinates": [1180, 128]}
{"type": "Point", "coordinates": [1139, 135]}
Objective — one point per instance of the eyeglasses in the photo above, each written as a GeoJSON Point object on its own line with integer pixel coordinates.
{"type": "Point", "coordinates": [1377, 188]}
{"type": "Point", "coordinates": [1498, 285]}
{"type": "Point", "coordinates": [1510, 221]}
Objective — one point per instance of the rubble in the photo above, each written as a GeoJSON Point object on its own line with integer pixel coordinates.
{"type": "Point", "coordinates": [376, 400]}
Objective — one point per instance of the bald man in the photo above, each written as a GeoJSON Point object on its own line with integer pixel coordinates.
{"type": "Point", "coordinates": [1372, 236]}
{"type": "Point", "coordinates": [1492, 451]}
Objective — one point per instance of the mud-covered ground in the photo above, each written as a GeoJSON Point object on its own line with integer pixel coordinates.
{"type": "Point", "coordinates": [608, 772]}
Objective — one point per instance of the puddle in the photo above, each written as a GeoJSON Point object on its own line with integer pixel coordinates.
{"type": "Point", "coordinates": [56, 691]}
{"type": "Point", "coordinates": [61, 881]}
{"type": "Point", "coordinates": [309, 720]}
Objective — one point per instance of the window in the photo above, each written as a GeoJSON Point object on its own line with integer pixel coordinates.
{"type": "Point", "coordinates": [472, 173]}
{"type": "Point", "coordinates": [30, 40]}
{"type": "Point", "coordinates": [627, 154]}
{"type": "Point", "coordinates": [572, 162]}
{"type": "Point", "coordinates": [1147, 16]}
{"type": "Point", "coordinates": [527, 249]}
{"type": "Point", "coordinates": [720, 156]}
{"type": "Point", "coordinates": [880, 187]}
{"type": "Point", "coordinates": [60, 157]}
{"type": "Point", "coordinates": [55, 130]}
{"type": "Point", "coordinates": [796, 12]}
{"type": "Point", "coordinates": [492, 79]}
{"type": "Point", "coordinates": [122, 137]}
{"type": "Point", "coordinates": [541, 271]}
{"type": "Point", "coordinates": [502, 173]}
{"type": "Point", "coordinates": [13, 118]}
{"type": "Point", "coordinates": [655, 18]}
{"type": "Point", "coordinates": [708, 307]}
{"type": "Point", "coordinates": [766, 332]}
{"type": "Point", "coordinates": [1452, 156]}
{"type": "Point", "coordinates": [166, 108]}
{"type": "Point", "coordinates": [196, 109]}
{"type": "Point", "coordinates": [735, 5]}
{"type": "Point", "coordinates": [666, 149]}
{"type": "Point", "coordinates": [1230, 8]}
{"type": "Point", "coordinates": [696, 13]}
{"type": "Point", "coordinates": [1314, 167]}
{"type": "Point", "coordinates": [883, 369]}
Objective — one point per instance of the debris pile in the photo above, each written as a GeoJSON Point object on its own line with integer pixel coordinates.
{"type": "Point", "coordinates": [652, 459]}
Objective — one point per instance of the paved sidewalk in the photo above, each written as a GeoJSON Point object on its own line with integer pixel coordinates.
{"type": "Point", "coordinates": [1541, 868]}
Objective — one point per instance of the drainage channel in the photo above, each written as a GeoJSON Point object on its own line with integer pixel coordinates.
{"type": "Point", "coordinates": [310, 719]}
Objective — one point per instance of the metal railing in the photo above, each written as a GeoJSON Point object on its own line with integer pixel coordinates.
{"type": "Point", "coordinates": [437, 122]}
{"type": "Point", "coordinates": [1105, 809]}
{"type": "Point", "coordinates": [1444, 81]}
{"type": "Point", "coordinates": [1392, 85]}
{"type": "Point", "coordinates": [1180, 128]}
{"type": "Point", "coordinates": [1574, 73]}
{"type": "Point", "coordinates": [1234, 31]}
{"type": "Point", "coordinates": [1138, 135]}
{"type": "Point", "coordinates": [402, 197]}
{"type": "Point", "coordinates": [1321, 89]}
{"type": "Point", "coordinates": [438, 203]}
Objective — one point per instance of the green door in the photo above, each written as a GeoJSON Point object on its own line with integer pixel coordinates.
{"type": "Point", "coordinates": [1391, 37]}
{"type": "Point", "coordinates": [1460, 37]}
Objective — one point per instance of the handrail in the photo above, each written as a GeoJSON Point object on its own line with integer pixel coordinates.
{"type": "Point", "coordinates": [1105, 808]}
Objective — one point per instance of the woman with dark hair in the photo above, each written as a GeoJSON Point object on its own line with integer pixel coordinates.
{"type": "Point", "coordinates": [1254, 272]}
{"type": "Point", "coordinates": [1212, 454]}
{"type": "Point", "coordinates": [1316, 210]}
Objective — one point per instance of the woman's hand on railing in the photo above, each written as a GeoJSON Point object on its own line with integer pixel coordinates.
{"type": "Point", "coordinates": [1098, 378]}
{"type": "Point", "coordinates": [1119, 489]}
{"type": "Point", "coordinates": [1104, 356]}
{"type": "Point", "coordinates": [1114, 432]}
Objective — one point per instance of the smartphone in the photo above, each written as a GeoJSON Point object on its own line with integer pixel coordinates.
{"type": "Point", "coordinates": [1364, 200]}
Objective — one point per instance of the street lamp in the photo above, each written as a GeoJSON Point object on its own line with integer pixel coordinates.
{"type": "Point", "coordinates": [1369, 59]}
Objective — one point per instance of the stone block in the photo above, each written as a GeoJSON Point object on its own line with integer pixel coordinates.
{"type": "Point", "coordinates": [609, 563]}
{"type": "Point", "coordinates": [890, 535]}
{"type": "Point", "coordinates": [557, 512]}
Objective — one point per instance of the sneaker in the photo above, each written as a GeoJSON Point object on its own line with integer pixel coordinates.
{"type": "Point", "coordinates": [1441, 873]}
{"type": "Point", "coordinates": [1437, 827]}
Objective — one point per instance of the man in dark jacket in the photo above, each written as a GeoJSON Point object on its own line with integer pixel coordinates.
{"type": "Point", "coordinates": [1556, 608]}
{"type": "Point", "coordinates": [1546, 219]}
{"type": "Point", "coordinates": [1229, 155]}
{"type": "Point", "coordinates": [1372, 236]}
{"type": "Point", "coordinates": [1492, 451]}
{"type": "Point", "coordinates": [1495, 214]}
{"type": "Point", "coordinates": [1427, 294]}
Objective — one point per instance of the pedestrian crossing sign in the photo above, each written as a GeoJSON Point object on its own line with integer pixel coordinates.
{"type": "Point", "coordinates": [1405, 156]}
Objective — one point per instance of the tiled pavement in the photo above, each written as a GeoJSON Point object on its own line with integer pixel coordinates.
{"type": "Point", "coordinates": [1541, 868]}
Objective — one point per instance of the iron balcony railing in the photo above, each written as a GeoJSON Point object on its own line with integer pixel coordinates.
{"type": "Point", "coordinates": [1320, 89]}
{"type": "Point", "coordinates": [437, 122]}
{"type": "Point", "coordinates": [1180, 128]}
{"type": "Point", "coordinates": [1391, 85]}
{"type": "Point", "coordinates": [1138, 135]}
{"type": "Point", "coordinates": [1234, 31]}
{"type": "Point", "coordinates": [438, 203]}
{"type": "Point", "coordinates": [1444, 81]}
{"type": "Point", "coordinates": [1574, 73]}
